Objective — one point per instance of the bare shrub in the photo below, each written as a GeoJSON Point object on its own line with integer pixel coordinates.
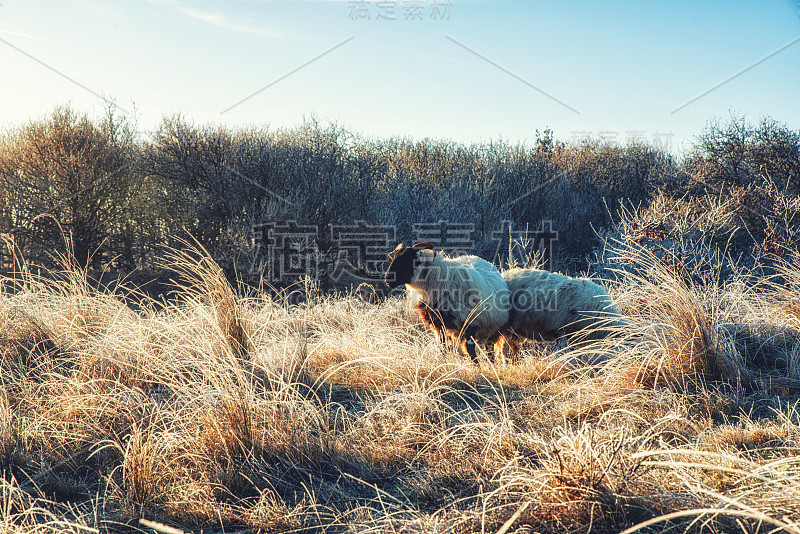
{"type": "Point", "coordinates": [68, 172]}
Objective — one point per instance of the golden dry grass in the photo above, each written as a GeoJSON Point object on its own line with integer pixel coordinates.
{"type": "Point", "coordinates": [217, 412]}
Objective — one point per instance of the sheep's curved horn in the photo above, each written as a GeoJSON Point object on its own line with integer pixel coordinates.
{"type": "Point", "coordinates": [424, 245]}
{"type": "Point", "coordinates": [396, 250]}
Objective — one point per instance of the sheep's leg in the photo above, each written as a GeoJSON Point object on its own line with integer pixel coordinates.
{"type": "Point", "coordinates": [442, 336]}
{"type": "Point", "coordinates": [448, 323]}
{"type": "Point", "coordinates": [440, 332]}
{"type": "Point", "coordinates": [434, 320]}
{"type": "Point", "coordinates": [496, 342]}
{"type": "Point", "coordinates": [468, 345]}
{"type": "Point", "coordinates": [512, 341]}
{"type": "Point", "coordinates": [513, 349]}
{"type": "Point", "coordinates": [437, 325]}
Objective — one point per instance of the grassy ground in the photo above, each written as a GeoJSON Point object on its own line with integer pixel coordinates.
{"type": "Point", "coordinates": [225, 412]}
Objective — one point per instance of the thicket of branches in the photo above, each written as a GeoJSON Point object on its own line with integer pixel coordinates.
{"type": "Point", "coordinates": [122, 196]}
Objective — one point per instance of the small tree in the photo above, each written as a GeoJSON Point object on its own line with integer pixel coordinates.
{"type": "Point", "coordinates": [67, 173]}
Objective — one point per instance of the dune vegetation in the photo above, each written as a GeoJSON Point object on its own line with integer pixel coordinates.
{"type": "Point", "coordinates": [220, 410]}
{"type": "Point", "coordinates": [220, 407]}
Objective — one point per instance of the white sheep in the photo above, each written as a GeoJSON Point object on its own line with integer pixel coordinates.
{"type": "Point", "coordinates": [546, 306]}
{"type": "Point", "coordinates": [463, 298]}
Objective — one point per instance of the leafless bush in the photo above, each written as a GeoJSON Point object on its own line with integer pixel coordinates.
{"type": "Point", "coordinates": [739, 153]}
{"type": "Point", "coordinates": [68, 174]}
{"type": "Point", "coordinates": [323, 175]}
{"type": "Point", "coordinates": [128, 199]}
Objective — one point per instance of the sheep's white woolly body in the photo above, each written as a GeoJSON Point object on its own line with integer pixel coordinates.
{"type": "Point", "coordinates": [468, 287]}
{"type": "Point", "coordinates": [546, 306]}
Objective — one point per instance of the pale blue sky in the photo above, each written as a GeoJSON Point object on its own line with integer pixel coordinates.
{"type": "Point", "coordinates": [463, 70]}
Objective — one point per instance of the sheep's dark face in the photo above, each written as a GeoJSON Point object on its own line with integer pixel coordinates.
{"type": "Point", "coordinates": [405, 261]}
{"type": "Point", "coordinates": [401, 269]}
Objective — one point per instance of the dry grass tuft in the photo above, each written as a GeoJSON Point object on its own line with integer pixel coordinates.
{"type": "Point", "coordinates": [787, 288]}
{"type": "Point", "coordinates": [675, 333]}
{"type": "Point", "coordinates": [206, 285]}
